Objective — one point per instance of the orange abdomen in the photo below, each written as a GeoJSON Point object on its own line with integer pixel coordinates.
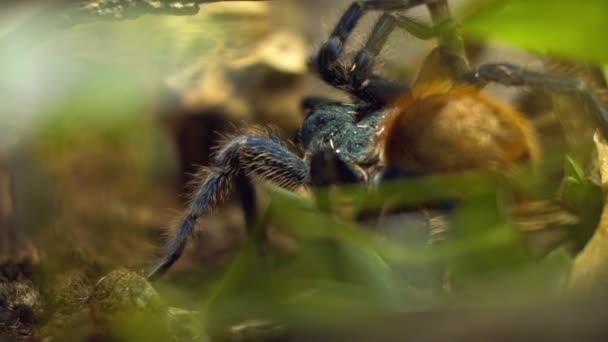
{"type": "Point", "coordinates": [437, 128]}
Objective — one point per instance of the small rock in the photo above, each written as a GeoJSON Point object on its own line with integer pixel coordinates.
{"type": "Point", "coordinates": [124, 291]}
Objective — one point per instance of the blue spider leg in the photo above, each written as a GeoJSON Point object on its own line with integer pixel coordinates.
{"type": "Point", "coordinates": [513, 75]}
{"type": "Point", "coordinates": [327, 168]}
{"type": "Point", "coordinates": [364, 83]}
{"type": "Point", "coordinates": [336, 72]}
{"type": "Point", "coordinates": [238, 161]}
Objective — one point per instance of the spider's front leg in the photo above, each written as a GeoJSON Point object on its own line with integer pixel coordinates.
{"type": "Point", "coordinates": [513, 75]}
{"type": "Point", "coordinates": [238, 161]}
{"type": "Point", "coordinates": [358, 78]}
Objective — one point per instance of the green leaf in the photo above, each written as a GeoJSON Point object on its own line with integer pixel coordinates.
{"type": "Point", "coordinates": [574, 171]}
{"type": "Point", "coordinates": [577, 192]}
{"type": "Point", "coordinates": [473, 220]}
{"type": "Point", "coordinates": [582, 197]}
{"type": "Point", "coordinates": [561, 27]}
{"type": "Point", "coordinates": [555, 267]}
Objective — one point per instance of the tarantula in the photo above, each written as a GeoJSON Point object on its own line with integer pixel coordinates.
{"type": "Point", "coordinates": [390, 130]}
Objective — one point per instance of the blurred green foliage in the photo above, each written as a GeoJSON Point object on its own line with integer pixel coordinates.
{"type": "Point", "coordinates": [563, 27]}
{"type": "Point", "coordinates": [342, 270]}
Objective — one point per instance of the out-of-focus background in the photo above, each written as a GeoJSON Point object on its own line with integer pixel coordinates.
{"type": "Point", "coordinates": [104, 122]}
{"type": "Point", "coordinates": [106, 113]}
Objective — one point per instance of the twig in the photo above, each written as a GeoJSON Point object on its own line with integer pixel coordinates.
{"type": "Point", "coordinates": [60, 15]}
{"type": "Point", "coordinates": [451, 44]}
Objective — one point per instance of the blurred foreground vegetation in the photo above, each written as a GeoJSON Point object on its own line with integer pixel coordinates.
{"type": "Point", "coordinates": [100, 124]}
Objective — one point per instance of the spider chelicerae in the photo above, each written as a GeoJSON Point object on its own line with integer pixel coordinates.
{"type": "Point", "coordinates": [390, 130]}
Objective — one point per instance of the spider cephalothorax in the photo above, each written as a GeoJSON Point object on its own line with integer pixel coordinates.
{"type": "Point", "coordinates": [434, 128]}
{"type": "Point", "coordinates": [342, 132]}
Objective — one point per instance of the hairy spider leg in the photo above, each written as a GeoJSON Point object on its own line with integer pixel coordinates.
{"type": "Point", "coordinates": [513, 75]}
{"type": "Point", "coordinates": [359, 80]}
{"type": "Point", "coordinates": [363, 83]}
{"type": "Point", "coordinates": [238, 161]}
{"type": "Point", "coordinates": [327, 168]}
